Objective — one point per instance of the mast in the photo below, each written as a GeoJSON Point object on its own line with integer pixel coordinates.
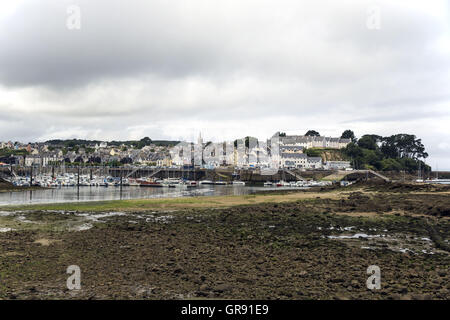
{"type": "Point", "coordinates": [419, 172]}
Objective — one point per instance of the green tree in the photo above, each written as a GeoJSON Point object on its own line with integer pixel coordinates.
{"type": "Point", "coordinates": [403, 146]}
{"type": "Point", "coordinates": [312, 133]}
{"type": "Point", "coordinates": [369, 141]}
{"type": "Point", "coordinates": [348, 134]}
{"type": "Point", "coordinates": [390, 164]}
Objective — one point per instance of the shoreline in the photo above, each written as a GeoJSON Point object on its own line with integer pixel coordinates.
{"type": "Point", "coordinates": [291, 245]}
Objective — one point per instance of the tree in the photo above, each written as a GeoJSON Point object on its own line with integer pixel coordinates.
{"type": "Point", "coordinates": [114, 163]}
{"type": "Point", "coordinates": [348, 134]}
{"type": "Point", "coordinates": [126, 160]}
{"type": "Point", "coordinates": [355, 153]}
{"type": "Point", "coordinates": [369, 141]}
{"type": "Point", "coordinates": [312, 133]}
{"type": "Point", "coordinates": [397, 152]}
{"type": "Point", "coordinates": [95, 160]}
{"type": "Point", "coordinates": [79, 159]}
{"type": "Point", "coordinates": [390, 164]}
{"type": "Point", "coordinates": [403, 146]}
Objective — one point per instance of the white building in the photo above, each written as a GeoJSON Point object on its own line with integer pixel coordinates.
{"type": "Point", "coordinates": [339, 165]}
{"type": "Point", "coordinates": [300, 160]}
{"type": "Point", "coordinates": [314, 163]}
{"type": "Point", "coordinates": [294, 160]}
{"type": "Point", "coordinates": [313, 142]}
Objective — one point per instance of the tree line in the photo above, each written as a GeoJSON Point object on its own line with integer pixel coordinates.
{"type": "Point", "coordinates": [397, 152]}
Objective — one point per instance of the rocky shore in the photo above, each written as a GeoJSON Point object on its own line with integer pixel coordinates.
{"type": "Point", "coordinates": [309, 248]}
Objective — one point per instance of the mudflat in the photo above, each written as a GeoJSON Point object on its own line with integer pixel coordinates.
{"type": "Point", "coordinates": [314, 244]}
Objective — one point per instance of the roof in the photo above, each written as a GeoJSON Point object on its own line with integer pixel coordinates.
{"type": "Point", "coordinates": [294, 155]}
{"type": "Point", "coordinates": [291, 147]}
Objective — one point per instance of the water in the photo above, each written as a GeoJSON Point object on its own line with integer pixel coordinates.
{"type": "Point", "coordinates": [73, 194]}
{"type": "Point", "coordinates": [439, 181]}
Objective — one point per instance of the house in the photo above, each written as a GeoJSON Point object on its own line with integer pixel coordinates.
{"type": "Point", "coordinates": [48, 159]}
{"type": "Point", "coordinates": [300, 160]}
{"type": "Point", "coordinates": [332, 143]}
{"type": "Point", "coordinates": [32, 161]}
{"type": "Point", "coordinates": [314, 163]}
{"type": "Point", "coordinates": [339, 165]}
{"type": "Point", "coordinates": [344, 142]}
{"type": "Point", "coordinates": [294, 160]}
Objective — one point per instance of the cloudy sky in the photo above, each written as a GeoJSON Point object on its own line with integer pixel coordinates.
{"type": "Point", "coordinates": [169, 69]}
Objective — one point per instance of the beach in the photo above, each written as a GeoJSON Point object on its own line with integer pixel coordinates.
{"type": "Point", "coordinates": [297, 244]}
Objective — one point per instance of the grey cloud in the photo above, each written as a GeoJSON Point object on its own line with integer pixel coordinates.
{"type": "Point", "coordinates": [162, 69]}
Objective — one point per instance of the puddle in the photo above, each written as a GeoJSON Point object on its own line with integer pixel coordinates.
{"type": "Point", "coordinates": [97, 217]}
{"type": "Point", "coordinates": [398, 242]}
{"type": "Point", "coordinates": [83, 227]}
{"type": "Point", "coordinates": [162, 219]}
{"type": "Point", "coordinates": [24, 219]}
{"type": "Point", "coordinates": [356, 236]}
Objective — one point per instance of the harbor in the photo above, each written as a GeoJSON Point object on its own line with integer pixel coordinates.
{"type": "Point", "coordinates": [97, 193]}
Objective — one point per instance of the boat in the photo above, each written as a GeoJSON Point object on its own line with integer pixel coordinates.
{"type": "Point", "coordinates": [188, 184]}
{"type": "Point", "coordinates": [239, 183]}
{"type": "Point", "coordinates": [268, 184]}
{"type": "Point", "coordinates": [133, 182]}
{"type": "Point", "coordinates": [300, 183]}
{"type": "Point", "coordinates": [220, 183]}
{"type": "Point", "coordinates": [207, 182]}
{"type": "Point", "coordinates": [149, 183]}
{"type": "Point", "coordinates": [171, 182]}
{"type": "Point", "coordinates": [282, 183]}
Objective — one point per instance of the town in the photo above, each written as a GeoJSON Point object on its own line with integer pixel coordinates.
{"type": "Point", "coordinates": [293, 151]}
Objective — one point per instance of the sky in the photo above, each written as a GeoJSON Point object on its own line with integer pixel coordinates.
{"type": "Point", "coordinates": [170, 69]}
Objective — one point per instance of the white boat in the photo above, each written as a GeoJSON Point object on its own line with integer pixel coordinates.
{"type": "Point", "coordinates": [268, 184]}
{"type": "Point", "coordinates": [188, 183]}
{"type": "Point", "coordinates": [239, 183]}
{"type": "Point", "coordinates": [171, 182]}
{"type": "Point", "coordinates": [208, 182]}
{"type": "Point", "coordinates": [220, 183]}
{"type": "Point", "coordinates": [133, 183]}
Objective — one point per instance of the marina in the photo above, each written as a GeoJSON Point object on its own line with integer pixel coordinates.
{"type": "Point", "coordinates": [102, 193]}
